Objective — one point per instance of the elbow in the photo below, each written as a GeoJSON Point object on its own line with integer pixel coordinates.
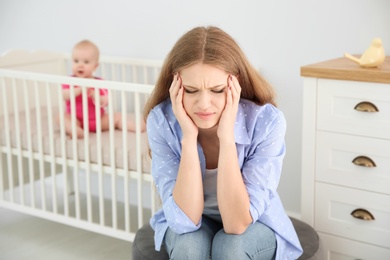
{"type": "Point", "coordinates": [195, 219]}
{"type": "Point", "coordinates": [236, 225]}
{"type": "Point", "coordinates": [236, 229]}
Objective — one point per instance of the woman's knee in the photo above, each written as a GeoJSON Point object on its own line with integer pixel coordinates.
{"type": "Point", "coordinates": [226, 246]}
{"type": "Point", "coordinates": [257, 242]}
{"type": "Point", "coordinates": [193, 245]}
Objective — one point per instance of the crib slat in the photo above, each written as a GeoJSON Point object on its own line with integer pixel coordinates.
{"type": "Point", "coordinates": [18, 142]}
{"type": "Point", "coordinates": [103, 71]}
{"type": "Point", "coordinates": [2, 174]}
{"type": "Point", "coordinates": [7, 138]}
{"type": "Point", "coordinates": [63, 154]}
{"type": "Point", "coordinates": [29, 145]}
{"type": "Point", "coordinates": [87, 157]}
{"type": "Point", "coordinates": [137, 111]}
{"type": "Point", "coordinates": [40, 145]}
{"type": "Point", "coordinates": [113, 75]}
{"type": "Point", "coordinates": [155, 74]}
{"type": "Point", "coordinates": [145, 74]}
{"type": "Point", "coordinates": [51, 147]}
{"type": "Point", "coordinates": [123, 73]}
{"type": "Point", "coordinates": [99, 156]}
{"type": "Point", "coordinates": [112, 160]}
{"type": "Point", "coordinates": [125, 161]}
{"type": "Point", "coordinates": [134, 73]}
{"type": "Point", "coordinates": [8, 143]}
{"type": "Point", "coordinates": [74, 174]}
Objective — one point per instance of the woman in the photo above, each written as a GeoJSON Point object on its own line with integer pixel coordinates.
{"type": "Point", "coordinates": [217, 145]}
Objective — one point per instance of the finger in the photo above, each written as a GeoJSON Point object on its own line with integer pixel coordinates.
{"type": "Point", "coordinates": [179, 98]}
{"type": "Point", "coordinates": [229, 96]}
{"type": "Point", "coordinates": [180, 91]}
{"type": "Point", "coordinates": [174, 87]}
{"type": "Point", "coordinates": [236, 84]}
{"type": "Point", "coordinates": [235, 87]}
{"type": "Point", "coordinates": [175, 82]}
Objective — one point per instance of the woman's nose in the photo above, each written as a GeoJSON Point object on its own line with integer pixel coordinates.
{"type": "Point", "coordinates": [204, 100]}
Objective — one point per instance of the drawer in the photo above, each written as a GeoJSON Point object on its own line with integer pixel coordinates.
{"type": "Point", "coordinates": [336, 111]}
{"type": "Point", "coordinates": [333, 208]}
{"type": "Point", "coordinates": [346, 160]}
{"type": "Point", "coordinates": [336, 248]}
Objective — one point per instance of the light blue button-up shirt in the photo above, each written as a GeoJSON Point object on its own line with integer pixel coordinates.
{"type": "Point", "coordinates": [259, 136]}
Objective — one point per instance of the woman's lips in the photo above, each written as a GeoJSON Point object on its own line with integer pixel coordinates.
{"type": "Point", "coordinates": [204, 116]}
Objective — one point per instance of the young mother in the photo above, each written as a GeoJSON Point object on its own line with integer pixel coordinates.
{"type": "Point", "coordinates": [217, 147]}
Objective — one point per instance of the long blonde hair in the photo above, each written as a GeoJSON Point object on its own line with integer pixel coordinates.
{"type": "Point", "coordinates": [211, 45]}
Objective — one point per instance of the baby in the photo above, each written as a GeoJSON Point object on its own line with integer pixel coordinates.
{"type": "Point", "coordinates": [85, 60]}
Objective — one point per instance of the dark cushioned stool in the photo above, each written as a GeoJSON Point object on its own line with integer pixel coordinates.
{"type": "Point", "coordinates": [143, 245]}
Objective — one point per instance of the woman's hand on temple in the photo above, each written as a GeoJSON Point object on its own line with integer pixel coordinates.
{"type": "Point", "coordinates": [229, 114]}
{"type": "Point", "coordinates": [176, 93]}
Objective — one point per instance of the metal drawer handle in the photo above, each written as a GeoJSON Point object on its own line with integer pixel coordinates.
{"type": "Point", "coordinates": [366, 106]}
{"type": "Point", "coordinates": [364, 161]}
{"type": "Point", "coordinates": [362, 214]}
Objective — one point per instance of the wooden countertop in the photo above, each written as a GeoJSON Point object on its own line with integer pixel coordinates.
{"type": "Point", "coordinates": [345, 69]}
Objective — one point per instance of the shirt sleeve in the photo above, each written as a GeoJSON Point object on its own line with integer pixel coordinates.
{"type": "Point", "coordinates": [165, 151]}
{"type": "Point", "coordinates": [262, 168]}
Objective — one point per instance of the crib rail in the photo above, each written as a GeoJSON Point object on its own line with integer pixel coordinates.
{"type": "Point", "coordinates": [101, 182]}
{"type": "Point", "coordinates": [124, 69]}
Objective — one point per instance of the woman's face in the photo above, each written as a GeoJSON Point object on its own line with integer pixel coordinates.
{"type": "Point", "coordinates": [204, 93]}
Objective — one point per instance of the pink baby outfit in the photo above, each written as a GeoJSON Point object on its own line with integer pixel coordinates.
{"type": "Point", "coordinates": [91, 108]}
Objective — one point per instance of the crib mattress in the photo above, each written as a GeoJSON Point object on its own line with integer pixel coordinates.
{"type": "Point", "coordinates": [81, 155]}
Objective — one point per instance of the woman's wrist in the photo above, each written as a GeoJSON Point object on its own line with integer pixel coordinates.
{"type": "Point", "coordinates": [189, 140]}
{"type": "Point", "coordinates": [226, 139]}
{"type": "Point", "coordinates": [227, 143]}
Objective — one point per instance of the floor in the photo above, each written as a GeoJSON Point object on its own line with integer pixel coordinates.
{"type": "Point", "coordinates": [26, 237]}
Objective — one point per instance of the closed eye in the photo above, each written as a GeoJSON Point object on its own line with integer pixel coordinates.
{"type": "Point", "coordinates": [190, 91]}
{"type": "Point", "coordinates": [218, 91]}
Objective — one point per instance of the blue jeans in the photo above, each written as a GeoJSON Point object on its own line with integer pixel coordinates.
{"type": "Point", "coordinates": [257, 242]}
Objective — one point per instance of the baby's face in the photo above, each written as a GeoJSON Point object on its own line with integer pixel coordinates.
{"type": "Point", "coordinates": [85, 61]}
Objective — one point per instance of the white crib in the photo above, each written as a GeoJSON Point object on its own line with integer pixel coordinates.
{"type": "Point", "coordinates": [100, 183]}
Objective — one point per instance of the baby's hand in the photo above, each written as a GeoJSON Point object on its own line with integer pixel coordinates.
{"type": "Point", "coordinates": [67, 92]}
{"type": "Point", "coordinates": [77, 91]}
{"type": "Point", "coordinates": [91, 92]}
{"type": "Point", "coordinates": [103, 99]}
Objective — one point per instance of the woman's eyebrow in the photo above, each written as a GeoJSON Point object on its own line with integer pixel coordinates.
{"type": "Point", "coordinates": [214, 87]}
{"type": "Point", "coordinates": [218, 86]}
{"type": "Point", "coordinates": [187, 86]}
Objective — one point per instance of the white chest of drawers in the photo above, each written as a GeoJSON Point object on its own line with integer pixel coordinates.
{"type": "Point", "coordinates": [346, 158]}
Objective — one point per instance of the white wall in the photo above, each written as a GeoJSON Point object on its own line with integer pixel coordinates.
{"type": "Point", "coordinates": [278, 37]}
